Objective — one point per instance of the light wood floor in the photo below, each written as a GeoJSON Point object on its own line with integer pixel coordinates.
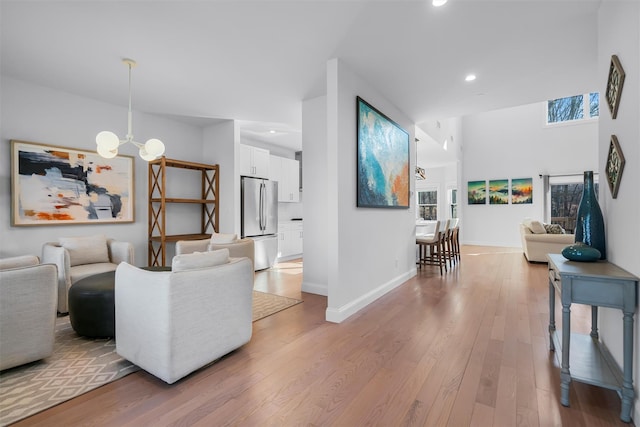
{"type": "Point", "coordinates": [467, 348]}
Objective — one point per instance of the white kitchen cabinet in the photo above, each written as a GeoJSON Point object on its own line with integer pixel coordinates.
{"type": "Point", "coordinates": [254, 161]}
{"type": "Point", "coordinates": [275, 166]}
{"type": "Point", "coordinates": [290, 235]}
{"type": "Point", "coordinates": [286, 172]}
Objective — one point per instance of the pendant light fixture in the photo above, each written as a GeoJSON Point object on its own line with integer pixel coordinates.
{"type": "Point", "coordinates": [420, 173]}
{"type": "Point", "coordinates": [108, 142]}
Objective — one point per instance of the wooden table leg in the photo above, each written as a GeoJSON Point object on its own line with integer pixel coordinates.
{"type": "Point", "coordinates": [627, 381]}
{"type": "Point", "coordinates": [565, 374]}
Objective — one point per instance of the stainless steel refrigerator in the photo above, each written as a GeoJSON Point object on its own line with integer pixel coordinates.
{"type": "Point", "coordinates": [259, 214]}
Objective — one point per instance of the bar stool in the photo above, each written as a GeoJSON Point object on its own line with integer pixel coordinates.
{"type": "Point", "coordinates": [452, 252]}
{"type": "Point", "coordinates": [456, 240]}
{"type": "Point", "coordinates": [431, 249]}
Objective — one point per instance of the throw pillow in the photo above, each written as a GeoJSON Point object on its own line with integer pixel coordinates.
{"type": "Point", "coordinates": [86, 250]}
{"type": "Point", "coordinates": [223, 238]}
{"type": "Point", "coordinates": [536, 227]}
{"type": "Point", "coordinates": [199, 260]}
{"type": "Point", "coordinates": [554, 229]}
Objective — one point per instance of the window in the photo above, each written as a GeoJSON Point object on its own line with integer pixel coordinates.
{"type": "Point", "coordinates": [565, 199]}
{"type": "Point", "coordinates": [428, 204]}
{"type": "Point", "coordinates": [453, 203]}
{"type": "Point", "coordinates": [573, 108]}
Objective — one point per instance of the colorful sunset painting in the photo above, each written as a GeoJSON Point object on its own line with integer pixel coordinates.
{"type": "Point", "coordinates": [56, 185]}
{"type": "Point", "coordinates": [383, 160]}
{"type": "Point", "coordinates": [499, 192]}
{"type": "Point", "coordinates": [521, 191]}
{"type": "Point", "coordinates": [477, 192]}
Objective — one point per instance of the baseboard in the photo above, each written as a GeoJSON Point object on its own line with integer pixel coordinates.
{"type": "Point", "coordinates": [493, 244]}
{"type": "Point", "coordinates": [337, 315]}
{"type": "Point", "coordinates": [288, 258]}
{"type": "Point", "coordinates": [315, 288]}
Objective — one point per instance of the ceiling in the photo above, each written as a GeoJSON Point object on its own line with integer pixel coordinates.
{"type": "Point", "coordinates": [256, 61]}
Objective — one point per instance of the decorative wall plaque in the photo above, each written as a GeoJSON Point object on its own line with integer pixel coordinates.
{"type": "Point", "coordinates": [615, 165]}
{"type": "Point", "coordinates": [614, 85]}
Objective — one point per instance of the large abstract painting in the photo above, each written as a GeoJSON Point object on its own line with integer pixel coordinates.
{"type": "Point", "coordinates": [57, 185]}
{"type": "Point", "coordinates": [383, 160]}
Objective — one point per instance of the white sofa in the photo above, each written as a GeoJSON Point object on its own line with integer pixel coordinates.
{"type": "Point", "coordinates": [80, 257]}
{"type": "Point", "coordinates": [536, 246]}
{"type": "Point", "coordinates": [28, 300]}
{"type": "Point", "coordinates": [172, 323]}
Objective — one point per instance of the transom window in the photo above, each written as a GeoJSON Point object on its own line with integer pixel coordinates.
{"type": "Point", "coordinates": [572, 108]}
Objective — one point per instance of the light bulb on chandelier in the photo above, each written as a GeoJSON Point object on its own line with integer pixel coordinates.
{"type": "Point", "coordinates": [108, 142]}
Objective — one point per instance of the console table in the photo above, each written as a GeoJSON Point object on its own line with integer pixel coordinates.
{"type": "Point", "coordinates": [598, 284]}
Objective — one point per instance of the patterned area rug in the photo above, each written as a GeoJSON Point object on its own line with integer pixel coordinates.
{"type": "Point", "coordinates": [79, 365]}
{"type": "Point", "coordinates": [267, 304]}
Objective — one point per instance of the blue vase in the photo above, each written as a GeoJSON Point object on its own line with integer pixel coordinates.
{"type": "Point", "coordinates": [581, 252]}
{"type": "Point", "coordinates": [590, 222]}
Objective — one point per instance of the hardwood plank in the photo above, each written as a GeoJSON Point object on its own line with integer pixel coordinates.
{"type": "Point", "coordinates": [505, 412]}
{"type": "Point", "coordinates": [482, 415]}
{"type": "Point", "coordinates": [462, 411]}
{"type": "Point", "coordinates": [487, 389]}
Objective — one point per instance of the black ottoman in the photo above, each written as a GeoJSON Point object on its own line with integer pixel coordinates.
{"type": "Point", "coordinates": [91, 305]}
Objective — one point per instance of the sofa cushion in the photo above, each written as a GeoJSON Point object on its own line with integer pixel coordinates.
{"type": "Point", "coordinates": [79, 272]}
{"type": "Point", "coordinates": [200, 260]}
{"type": "Point", "coordinates": [86, 250]}
{"type": "Point", "coordinates": [223, 238]}
{"type": "Point", "coordinates": [536, 227]}
{"type": "Point", "coordinates": [554, 229]}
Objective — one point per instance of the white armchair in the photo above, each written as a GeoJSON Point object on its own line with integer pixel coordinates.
{"type": "Point", "coordinates": [237, 248]}
{"type": "Point", "coordinates": [28, 299]}
{"type": "Point", "coordinates": [80, 257]}
{"type": "Point", "coordinates": [171, 323]}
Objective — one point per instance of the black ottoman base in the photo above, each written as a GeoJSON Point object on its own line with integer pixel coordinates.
{"type": "Point", "coordinates": [91, 306]}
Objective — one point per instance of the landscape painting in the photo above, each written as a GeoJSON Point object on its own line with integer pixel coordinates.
{"type": "Point", "coordinates": [477, 192]}
{"type": "Point", "coordinates": [499, 192]}
{"type": "Point", "coordinates": [521, 191]}
{"type": "Point", "coordinates": [56, 185]}
{"type": "Point", "coordinates": [383, 160]}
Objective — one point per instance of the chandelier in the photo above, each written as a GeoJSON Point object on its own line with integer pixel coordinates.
{"type": "Point", "coordinates": [108, 142]}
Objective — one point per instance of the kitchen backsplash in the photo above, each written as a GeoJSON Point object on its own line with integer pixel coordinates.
{"type": "Point", "coordinates": [286, 211]}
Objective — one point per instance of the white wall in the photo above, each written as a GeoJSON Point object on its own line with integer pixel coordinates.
{"type": "Point", "coordinates": [41, 115]}
{"type": "Point", "coordinates": [315, 210]}
{"type": "Point", "coordinates": [515, 143]}
{"type": "Point", "coordinates": [220, 147]}
{"type": "Point", "coordinates": [371, 251]}
{"type": "Point", "coordinates": [619, 34]}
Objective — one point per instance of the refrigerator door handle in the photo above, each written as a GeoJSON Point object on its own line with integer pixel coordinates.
{"type": "Point", "coordinates": [262, 205]}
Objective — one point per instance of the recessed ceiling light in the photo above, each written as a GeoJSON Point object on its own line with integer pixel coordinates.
{"type": "Point", "coordinates": [438, 3]}
{"type": "Point", "coordinates": [272, 131]}
{"type": "Point", "coordinates": [470, 78]}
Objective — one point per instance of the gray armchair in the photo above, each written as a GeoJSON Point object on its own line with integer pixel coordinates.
{"type": "Point", "coordinates": [80, 257]}
{"type": "Point", "coordinates": [28, 300]}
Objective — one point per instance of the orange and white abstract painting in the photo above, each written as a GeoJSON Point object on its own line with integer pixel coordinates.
{"type": "Point", "coordinates": [56, 185]}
